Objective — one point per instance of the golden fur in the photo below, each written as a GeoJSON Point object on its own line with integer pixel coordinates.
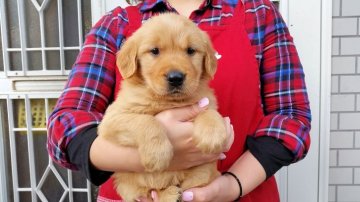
{"type": "Point", "coordinates": [130, 120]}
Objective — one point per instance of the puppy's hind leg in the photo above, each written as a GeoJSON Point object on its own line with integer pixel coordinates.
{"type": "Point", "coordinates": [131, 192]}
{"type": "Point", "coordinates": [200, 176]}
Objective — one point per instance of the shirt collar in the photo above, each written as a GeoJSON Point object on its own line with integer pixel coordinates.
{"type": "Point", "coordinates": [150, 4]}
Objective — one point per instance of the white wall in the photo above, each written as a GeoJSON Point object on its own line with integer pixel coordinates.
{"type": "Point", "coordinates": [344, 178]}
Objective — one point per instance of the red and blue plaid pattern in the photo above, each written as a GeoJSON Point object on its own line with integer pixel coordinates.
{"type": "Point", "coordinates": [90, 86]}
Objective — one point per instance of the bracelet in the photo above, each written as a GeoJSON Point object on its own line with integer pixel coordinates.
{"type": "Point", "coordinates": [237, 180]}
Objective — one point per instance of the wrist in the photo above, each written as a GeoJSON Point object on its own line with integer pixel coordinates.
{"type": "Point", "coordinates": [233, 188]}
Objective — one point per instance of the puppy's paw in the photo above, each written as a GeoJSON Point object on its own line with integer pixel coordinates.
{"type": "Point", "coordinates": [170, 194]}
{"type": "Point", "coordinates": [156, 156]}
{"type": "Point", "coordinates": [210, 132]}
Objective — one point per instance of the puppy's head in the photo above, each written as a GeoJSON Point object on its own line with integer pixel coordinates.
{"type": "Point", "coordinates": [169, 55]}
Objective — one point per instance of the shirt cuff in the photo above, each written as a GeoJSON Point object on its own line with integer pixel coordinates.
{"type": "Point", "coordinates": [79, 154]}
{"type": "Point", "coordinates": [271, 154]}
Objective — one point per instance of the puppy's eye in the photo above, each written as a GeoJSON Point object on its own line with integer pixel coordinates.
{"type": "Point", "coordinates": [190, 51]}
{"type": "Point", "coordinates": [155, 51]}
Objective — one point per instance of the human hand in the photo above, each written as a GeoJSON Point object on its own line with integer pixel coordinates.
{"type": "Point", "coordinates": [223, 188]}
{"type": "Point", "coordinates": [179, 125]}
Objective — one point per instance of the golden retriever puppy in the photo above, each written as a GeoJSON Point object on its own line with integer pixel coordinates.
{"type": "Point", "coordinates": [166, 63]}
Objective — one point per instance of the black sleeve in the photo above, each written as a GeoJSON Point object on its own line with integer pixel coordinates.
{"type": "Point", "coordinates": [79, 154]}
{"type": "Point", "coordinates": [271, 154]}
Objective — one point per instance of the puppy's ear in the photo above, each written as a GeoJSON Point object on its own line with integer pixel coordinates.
{"type": "Point", "coordinates": [126, 58]}
{"type": "Point", "coordinates": [210, 61]}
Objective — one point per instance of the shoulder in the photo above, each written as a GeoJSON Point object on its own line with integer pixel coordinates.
{"type": "Point", "coordinates": [116, 15]}
{"type": "Point", "coordinates": [112, 26]}
{"type": "Point", "coordinates": [259, 7]}
{"type": "Point", "coordinates": [262, 11]}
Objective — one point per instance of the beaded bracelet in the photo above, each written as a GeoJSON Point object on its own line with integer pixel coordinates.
{"type": "Point", "coordinates": [237, 180]}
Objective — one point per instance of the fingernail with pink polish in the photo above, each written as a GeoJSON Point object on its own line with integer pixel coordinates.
{"type": "Point", "coordinates": [203, 102]}
{"type": "Point", "coordinates": [187, 196]}
{"type": "Point", "coordinates": [153, 194]}
{"type": "Point", "coordinates": [222, 156]}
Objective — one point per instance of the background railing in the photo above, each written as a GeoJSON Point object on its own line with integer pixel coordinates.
{"type": "Point", "coordinates": [40, 40]}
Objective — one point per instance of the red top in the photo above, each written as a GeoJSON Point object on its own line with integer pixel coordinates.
{"type": "Point", "coordinates": [237, 88]}
{"type": "Point", "coordinates": [91, 82]}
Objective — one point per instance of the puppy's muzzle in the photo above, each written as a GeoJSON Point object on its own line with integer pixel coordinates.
{"type": "Point", "coordinates": [175, 79]}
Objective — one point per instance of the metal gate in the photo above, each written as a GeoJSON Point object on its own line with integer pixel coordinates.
{"type": "Point", "coordinates": [40, 40]}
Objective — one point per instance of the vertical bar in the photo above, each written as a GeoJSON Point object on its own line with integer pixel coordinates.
{"type": "Point", "coordinates": [42, 38]}
{"type": "Point", "coordinates": [61, 37]}
{"type": "Point", "coordinates": [46, 109]}
{"type": "Point", "coordinates": [3, 27]}
{"type": "Point", "coordinates": [88, 184]}
{"type": "Point", "coordinates": [13, 150]}
{"type": "Point", "coordinates": [22, 29]}
{"type": "Point", "coordinates": [30, 142]}
{"type": "Point", "coordinates": [70, 185]}
{"type": "Point", "coordinates": [282, 183]}
{"type": "Point", "coordinates": [284, 9]}
{"type": "Point", "coordinates": [325, 99]}
{"type": "Point", "coordinates": [80, 23]}
{"type": "Point", "coordinates": [3, 178]}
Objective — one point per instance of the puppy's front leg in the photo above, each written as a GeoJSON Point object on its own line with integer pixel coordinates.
{"type": "Point", "coordinates": [210, 132]}
{"type": "Point", "coordinates": [156, 151]}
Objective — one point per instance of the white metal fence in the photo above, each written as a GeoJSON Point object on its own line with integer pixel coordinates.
{"type": "Point", "coordinates": [27, 173]}
{"type": "Point", "coordinates": [40, 40]}
{"type": "Point", "coordinates": [41, 37]}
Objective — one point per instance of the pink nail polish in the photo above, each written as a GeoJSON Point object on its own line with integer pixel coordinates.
{"type": "Point", "coordinates": [153, 194]}
{"type": "Point", "coordinates": [187, 196]}
{"type": "Point", "coordinates": [203, 102]}
{"type": "Point", "coordinates": [222, 156]}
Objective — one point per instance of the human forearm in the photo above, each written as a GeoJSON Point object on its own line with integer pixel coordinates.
{"type": "Point", "coordinates": [105, 155]}
{"type": "Point", "coordinates": [250, 173]}
{"type": "Point", "coordinates": [225, 188]}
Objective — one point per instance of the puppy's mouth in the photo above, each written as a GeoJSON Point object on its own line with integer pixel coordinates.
{"type": "Point", "coordinates": [175, 90]}
{"type": "Point", "coordinates": [175, 80]}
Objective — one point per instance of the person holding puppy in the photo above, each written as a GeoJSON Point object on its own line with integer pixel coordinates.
{"type": "Point", "coordinates": [259, 86]}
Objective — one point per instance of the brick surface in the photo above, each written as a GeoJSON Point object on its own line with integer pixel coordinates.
{"type": "Point", "coordinates": [340, 176]}
{"type": "Point", "coordinates": [357, 139]}
{"type": "Point", "coordinates": [334, 121]}
{"type": "Point", "coordinates": [345, 26]}
{"type": "Point", "coordinates": [350, 84]}
{"type": "Point", "coordinates": [343, 65]}
{"type": "Point", "coordinates": [334, 84]}
{"type": "Point", "coordinates": [350, 45]}
{"type": "Point", "coordinates": [348, 193]}
{"type": "Point", "coordinates": [332, 194]}
{"type": "Point", "coordinates": [336, 8]}
{"type": "Point", "coordinates": [349, 121]}
{"type": "Point", "coordinates": [341, 140]}
{"type": "Point", "coordinates": [344, 157]}
{"type": "Point", "coordinates": [333, 157]}
{"type": "Point", "coordinates": [349, 157]}
{"type": "Point", "coordinates": [357, 176]}
{"type": "Point", "coordinates": [343, 102]}
{"type": "Point", "coordinates": [350, 8]}
{"type": "Point", "coordinates": [335, 46]}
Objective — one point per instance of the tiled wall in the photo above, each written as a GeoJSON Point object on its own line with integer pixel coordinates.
{"type": "Point", "coordinates": [344, 178]}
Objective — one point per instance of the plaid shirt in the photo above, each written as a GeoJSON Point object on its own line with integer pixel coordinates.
{"type": "Point", "coordinates": [90, 86]}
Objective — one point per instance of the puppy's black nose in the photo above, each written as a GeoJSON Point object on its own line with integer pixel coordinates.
{"type": "Point", "coordinates": [175, 78]}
